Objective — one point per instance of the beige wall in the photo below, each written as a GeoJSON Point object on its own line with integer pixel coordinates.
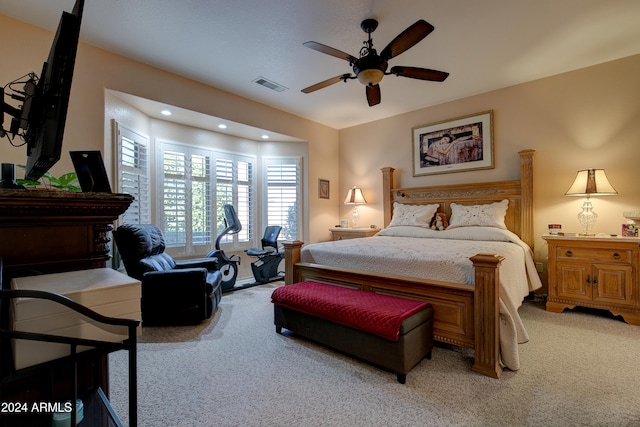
{"type": "Point", "coordinates": [588, 118]}
{"type": "Point", "coordinates": [25, 47]}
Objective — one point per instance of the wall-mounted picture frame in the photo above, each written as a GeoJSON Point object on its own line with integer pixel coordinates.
{"type": "Point", "coordinates": [323, 188]}
{"type": "Point", "coordinates": [455, 145]}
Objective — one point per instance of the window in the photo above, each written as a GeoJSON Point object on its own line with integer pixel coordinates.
{"type": "Point", "coordinates": [133, 174]}
{"type": "Point", "coordinates": [234, 185]}
{"type": "Point", "coordinates": [192, 184]}
{"type": "Point", "coordinates": [283, 195]}
{"type": "Point", "coordinates": [195, 185]}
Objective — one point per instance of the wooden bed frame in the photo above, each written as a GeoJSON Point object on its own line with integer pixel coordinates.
{"type": "Point", "coordinates": [464, 315]}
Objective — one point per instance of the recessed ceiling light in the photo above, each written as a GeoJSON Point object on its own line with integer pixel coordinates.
{"type": "Point", "coordinates": [222, 126]}
{"type": "Point", "coordinates": [265, 136]}
{"type": "Point", "coordinates": [165, 112]}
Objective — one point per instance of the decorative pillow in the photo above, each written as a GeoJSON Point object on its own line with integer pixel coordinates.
{"type": "Point", "coordinates": [412, 215]}
{"type": "Point", "coordinates": [489, 215]}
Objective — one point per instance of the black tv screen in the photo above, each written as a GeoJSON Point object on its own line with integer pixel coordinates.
{"type": "Point", "coordinates": [48, 107]}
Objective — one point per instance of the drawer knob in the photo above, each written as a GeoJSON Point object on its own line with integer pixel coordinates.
{"type": "Point", "coordinates": [616, 255]}
{"type": "Point", "coordinates": [569, 253]}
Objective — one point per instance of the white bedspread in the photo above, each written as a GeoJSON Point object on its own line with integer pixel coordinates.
{"type": "Point", "coordinates": [444, 255]}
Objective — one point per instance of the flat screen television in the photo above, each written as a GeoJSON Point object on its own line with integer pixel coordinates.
{"type": "Point", "coordinates": [41, 119]}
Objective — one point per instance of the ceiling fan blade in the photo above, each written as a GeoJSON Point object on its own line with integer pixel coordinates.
{"type": "Point", "coordinates": [327, 82]}
{"type": "Point", "coordinates": [407, 39]}
{"type": "Point", "coordinates": [373, 95]}
{"type": "Point", "coordinates": [329, 51]}
{"type": "Point", "coordinates": [419, 73]}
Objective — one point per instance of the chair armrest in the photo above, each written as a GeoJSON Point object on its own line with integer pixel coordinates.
{"type": "Point", "coordinates": [208, 263]}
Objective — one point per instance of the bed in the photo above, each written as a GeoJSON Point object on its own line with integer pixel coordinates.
{"type": "Point", "coordinates": [474, 307]}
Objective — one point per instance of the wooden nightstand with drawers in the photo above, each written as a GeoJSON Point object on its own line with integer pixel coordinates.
{"type": "Point", "coordinates": [596, 272]}
{"type": "Point", "coordinates": [339, 233]}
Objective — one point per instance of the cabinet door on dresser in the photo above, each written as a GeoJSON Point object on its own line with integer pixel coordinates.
{"type": "Point", "coordinates": [612, 284]}
{"type": "Point", "coordinates": [574, 280]}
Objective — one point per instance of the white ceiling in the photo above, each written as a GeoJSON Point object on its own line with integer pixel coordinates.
{"type": "Point", "coordinates": [484, 45]}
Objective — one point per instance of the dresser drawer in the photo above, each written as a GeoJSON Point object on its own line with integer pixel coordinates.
{"type": "Point", "coordinates": [594, 254]}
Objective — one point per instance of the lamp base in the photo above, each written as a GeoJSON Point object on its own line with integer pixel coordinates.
{"type": "Point", "coordinates": [356, 218]}
{"type": "Point", "coordinates": [587, 219]}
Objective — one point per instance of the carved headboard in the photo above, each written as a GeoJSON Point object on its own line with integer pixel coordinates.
{"type": "Point", "coordinates": [519, 216]}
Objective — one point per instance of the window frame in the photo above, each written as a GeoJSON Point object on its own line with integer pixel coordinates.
{"type": "Point", "coordinates": [281, 160]}
{"type": "Point", "coordinates": [141, 207]}
{"type": "Point", "coordinates": [189, 248]}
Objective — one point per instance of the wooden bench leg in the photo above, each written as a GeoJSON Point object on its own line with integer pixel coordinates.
{"type": "Point", "coordinates": [402, 378]}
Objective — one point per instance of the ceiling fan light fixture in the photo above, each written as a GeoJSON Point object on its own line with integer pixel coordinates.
{"type": "Point", "coordinates": [370, 77]}
{"type": "Point", "coordinates": [371, 67]}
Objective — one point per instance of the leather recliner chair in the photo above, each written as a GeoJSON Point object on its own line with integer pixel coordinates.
{"type": "Point", "coordinates": [174, 292]}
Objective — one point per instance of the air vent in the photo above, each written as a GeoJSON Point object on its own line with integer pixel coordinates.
{"type": "Point", "coordinates": [271, 85]}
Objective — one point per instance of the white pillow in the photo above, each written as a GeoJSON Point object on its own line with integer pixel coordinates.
{"type": "Point", "coordinates": [412, 215]}
{"type": "Point", "coordinates": [489, 215]}
{"type": "Point", "coordinates": [405, 231]}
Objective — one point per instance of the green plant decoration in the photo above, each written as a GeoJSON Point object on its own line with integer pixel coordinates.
{"type": "Point", "coordinates": [67, 182]}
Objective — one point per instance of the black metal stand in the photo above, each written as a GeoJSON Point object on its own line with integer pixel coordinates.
{"type": "Point", "coordinates": [99, 347]}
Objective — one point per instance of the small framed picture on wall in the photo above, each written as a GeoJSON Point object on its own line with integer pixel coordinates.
{"type": "Point", "coordinates": [323, 188]}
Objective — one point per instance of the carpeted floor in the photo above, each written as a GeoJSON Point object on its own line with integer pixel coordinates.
{"type": "Point", "coordinates": [579, 369]}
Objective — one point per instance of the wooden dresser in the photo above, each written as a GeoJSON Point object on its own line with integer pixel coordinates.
{"type": "Point", "coordinates": [596, 272]}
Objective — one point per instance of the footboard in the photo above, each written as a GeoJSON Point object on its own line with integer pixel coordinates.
{"type": "Point", "coordinates": [464, 315]}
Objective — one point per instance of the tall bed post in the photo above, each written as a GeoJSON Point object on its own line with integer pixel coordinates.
{"type": "Point", "coordinates": [387, 186]}
{"type": "Point", "coordinates": [291, 258]}
{"type": "Point", "coordinates": [526, 196]}
{"type": "Point", "coordinates": [486, 315]}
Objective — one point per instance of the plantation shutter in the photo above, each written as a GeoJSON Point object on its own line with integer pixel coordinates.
{"type": "Point", "coordinates": [284, 195]}
{"type": "Point", "coordinates": [234, 186]}
{"type": "Point", "coordinates": [133, 174]}
{"type": "Point", "coordinates": [174, 206]}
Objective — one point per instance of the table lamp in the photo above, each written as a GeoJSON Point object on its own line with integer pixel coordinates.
{"type": "Point", "coordinates": [355, 197]}
{"type": "Point", "coordinates": [590, 182]}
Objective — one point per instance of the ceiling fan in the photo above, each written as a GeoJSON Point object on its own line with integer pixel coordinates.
{"type": "Point", "coordinates": [370, 67]}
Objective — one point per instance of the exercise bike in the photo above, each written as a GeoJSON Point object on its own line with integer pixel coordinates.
{"type": "Point", "coordinates": [265, 268]}
{"type": "Point", "coordinates": [228, 266]}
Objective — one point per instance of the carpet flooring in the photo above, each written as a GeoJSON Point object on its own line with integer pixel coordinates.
{"type": "Point", "coordinates": [578, 369]}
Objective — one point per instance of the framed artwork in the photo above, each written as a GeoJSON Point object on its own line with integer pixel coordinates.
{"type": "Point", "coordinates": [456, 145]}
{"type": "Point", "coordinates": [323, 188]}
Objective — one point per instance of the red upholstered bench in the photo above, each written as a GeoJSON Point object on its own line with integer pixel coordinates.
{"type": "Point", "coordinates": [390, 332]}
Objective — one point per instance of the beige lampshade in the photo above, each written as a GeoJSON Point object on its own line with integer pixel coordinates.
{"type": "Point", "coordinates": [355, 197]}
{"type": "Point", "coordinates": [591, 182]}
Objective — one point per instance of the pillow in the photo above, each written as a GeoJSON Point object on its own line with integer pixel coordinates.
{"type": "Point", "coordinates": [405, 231]}
{"type": "Point", "coordinates": [489, 215]}
{"type": "Point", "coordinates": [460, 233]}
{"type": "Point", "coordinates": [412, 215]}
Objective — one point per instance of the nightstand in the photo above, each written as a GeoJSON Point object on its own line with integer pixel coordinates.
{"type": "Point", "coordinates": [597, 272]}
{"type": "Point", "coordinates": [339, 233]}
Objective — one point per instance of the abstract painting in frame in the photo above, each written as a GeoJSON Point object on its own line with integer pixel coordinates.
{"type": "Point", "coordinates": [461, 144]}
